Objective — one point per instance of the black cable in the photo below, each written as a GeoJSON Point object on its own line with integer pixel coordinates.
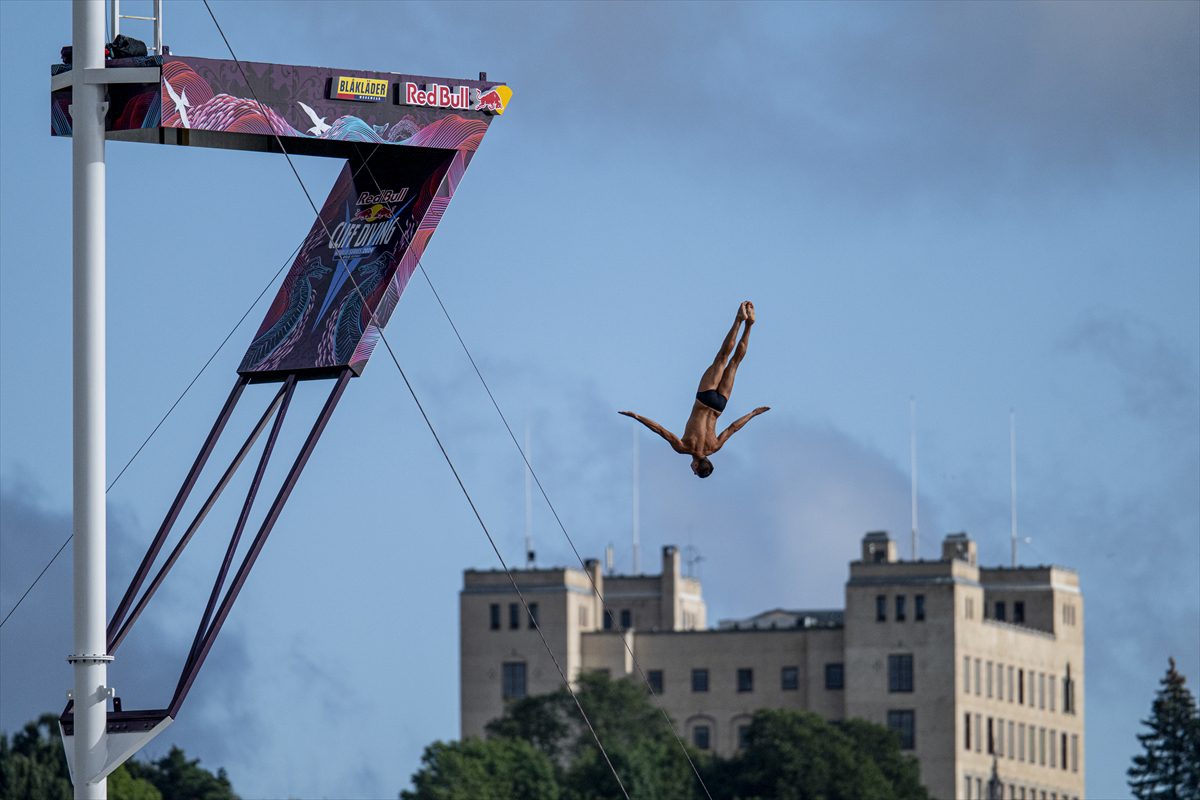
{"type": "Point", "coordinates": [553, 510]}
{"type": "Point", "coordinates": [428, 423]}
{"type": "Point", "coordinates": [178, 400]}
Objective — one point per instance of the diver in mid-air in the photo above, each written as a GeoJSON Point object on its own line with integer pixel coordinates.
{"type": "Point", "coordinates": [700, 439]}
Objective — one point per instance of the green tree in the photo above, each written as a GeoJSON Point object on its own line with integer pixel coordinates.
{"type": "Point", "coordinates": [794, 755]}
{"type": "Point", "coordinates": [881, 747]}
{"type": "Point", "coordinates": [1169, 767]}
{"type": "Point", "coordinates": [632, 729]}
{"type": "Point", "coordinates": [178, 778]}
{"type": "Point", "coordinates": [34, 767]}
{"type": "Point", "coordinates": [789, 755]}
{"type": "Point", "coordinates": [498, 768]}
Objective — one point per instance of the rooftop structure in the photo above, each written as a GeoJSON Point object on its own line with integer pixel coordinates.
{"type": "Point", "coordinates": [975, 668]}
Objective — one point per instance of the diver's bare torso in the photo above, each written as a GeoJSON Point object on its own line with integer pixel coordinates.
{"type": "Point", "coordinates": [700, 438]}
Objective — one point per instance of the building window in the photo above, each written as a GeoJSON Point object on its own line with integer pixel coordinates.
{"type": "Point", "coordinates": [967, 731]}
{"type": "Point", "coordinates": [1068, 693]}
{"type": "Point", "coordinates": [1021, 687]}
{"type": "Point", "coordinates": [966, 674]}
{"type": "Point", "coordinates": [699, 680]}
{"type": "Point", "coordinates": [745, 680]}
{"type": "Point", "coordinates": [1001, 611]}
{"type": "Point", "coordinates": [989, 678]}
{"type": "Point", "coordinates": [900, 672]}
{"type": "Point", "coordinates": [999, 681]}
{"type": "Point", "coordinates": [626, 619]}
{"type": "Point", "coordinates": [514, 616]}
{"type": "Point", "coordinates": [1000, 738]}
{"type": "Point", "coordinates": [978, 682]}
{"type": "Point", "coordinates": [514, 680]}
{"type": "Point", "coordinates": [967, 784]}
{"type": "Point", "coordinates": [1021, 742]}
{"type": "Point", "coordinates": [901, 611]}
{"type": "Point", "coordinates": [533, 615]}
{"type": "Point", "coordinates": [978, 733]}
{"type": "Point", "coordinates": [1050, 746]}
{"type": "Point", "coordinates": [1042, 690]}
{"type": "Point", "coordinates": [835, 676]}
{"type": "Point", "coordinates": [1012, 726]}
{"type": "Point", "coordinates": [494, 609]}
{"type": "Point", "coordinates": [655, 678]}
{"type": "Point", "coordinates": [1032, 744]}
{"type": "Point", "coordinates": [1050, 681]}
{"type": "Point", "coordinates": [701, 737]}
{"type": "Point", "coordinates": [970, 607]}
{"type": "Point", "coordinates": [881, 608]}
{"type": "Point", "coordinates": [584, 617]}
{"type": "Point", "coordinates": [1074, 752]}
{"type": "Point", "coordinates": [743, 736]}
{"type": "Point", "coordinates": [991, 745]}
{"type": "Point", "coordinates": [1063, 758]}
{"type": "Point", "coordinates": [919, 608]}
{"type": "Point", "coordinates": [789, 679]}
{"type": "Point", "coordinates": [608, 620]}
{"type": "Point", "coordinates": [1042, 746]}
{"type": "Point", "coordinates": [1018, 611]}
{"type": "Point", "coordinates": [904, 723]}
{"type": "Point", "coordinates": [1010, 684]}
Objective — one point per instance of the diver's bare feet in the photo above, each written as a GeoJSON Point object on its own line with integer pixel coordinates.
{"type": "Point", "coordinates": [748, 311]}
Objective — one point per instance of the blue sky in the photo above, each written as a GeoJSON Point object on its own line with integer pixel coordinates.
{"type": "Point", "coordinates": [982, 206]}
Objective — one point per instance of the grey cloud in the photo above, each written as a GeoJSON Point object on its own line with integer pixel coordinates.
{"type": "Point", "coordinates": [782, 514]}
{"type": "Point", "coordinates": [911, 98]}
{"type": "Point", "coordinates": [34, 643]}
{"type": "Point", "coordinates": [1157, 376]}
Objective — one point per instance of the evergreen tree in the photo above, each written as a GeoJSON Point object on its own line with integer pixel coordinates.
{"type": "Point", "coordinates": [1169, 769]}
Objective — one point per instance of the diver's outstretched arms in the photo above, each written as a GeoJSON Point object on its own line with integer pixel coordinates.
{"type": "Point", "coordinates": [738, 424]}
{"type": "Point", "coordinates": [671, 438]}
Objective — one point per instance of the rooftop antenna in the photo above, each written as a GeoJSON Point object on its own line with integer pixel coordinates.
{"type": "Point", "coordinates": [691, 560]}
{"type": "Point", "coordinates": [912, 448]}
{"type": "Point", "coordinates": [1012, 479]}
{"type": "Point", "coordinates": [608, 559]}
{"type": "Point", "coordinates": [530, 556]}
{"type": "Point", "coordinates": [637, 533]}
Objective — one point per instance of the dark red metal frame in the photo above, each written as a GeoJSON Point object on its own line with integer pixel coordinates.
{"type": "Point", "coordinates": [217, 610]}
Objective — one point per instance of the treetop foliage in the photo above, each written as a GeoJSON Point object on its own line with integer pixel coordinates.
{"type": "Point", "coordinates": [543, 741]}
{"type": "Point", "coordinates": [34, 767]}
{"type": "Point", "coordinates": [1169, 766]}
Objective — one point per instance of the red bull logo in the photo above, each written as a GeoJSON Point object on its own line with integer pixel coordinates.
{"type": "Point", "coordinates": [374, 213]}
{"type": "Point", "coordinates": [493, 101]}
{"type": "Point", "coordinates": [437, 96]}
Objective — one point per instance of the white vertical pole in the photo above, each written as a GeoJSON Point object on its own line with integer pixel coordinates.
{"type": "Point", "coordinates": [528, 499]}
{"type": "Point", "coordinates": [637, 501]}
{"type": "Point", "coordinates": [1012, 479]}
{"type": "Point", "coordinates": [114, 12]}
{"type": "Point", "coordinates": [88, 219]}
{"type": "Point", "coordinates": [912, 447]}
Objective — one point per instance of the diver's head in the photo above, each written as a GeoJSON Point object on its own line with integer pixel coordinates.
{"type": "Point", "coordinates": [701, 466]}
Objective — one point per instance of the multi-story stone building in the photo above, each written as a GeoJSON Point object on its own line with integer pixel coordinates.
{"type": "Point", "coordinates": [979, 670]}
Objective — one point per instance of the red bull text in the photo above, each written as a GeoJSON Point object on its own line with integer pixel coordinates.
{"type": "Point", "coordinates": [437, 96]}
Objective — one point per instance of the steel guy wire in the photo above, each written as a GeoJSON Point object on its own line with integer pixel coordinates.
{"type": "Point", "coordinates": [170, 410]}
{"type": "Point", "coordinates": [428, 422]}
{"type": "Point", "coordinates": [524, 457]}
